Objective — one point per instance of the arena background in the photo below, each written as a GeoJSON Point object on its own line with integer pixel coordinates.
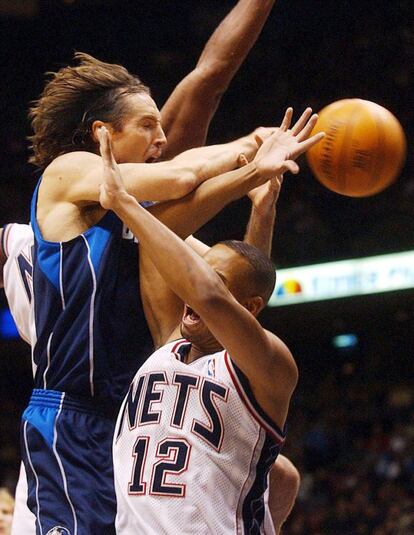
{"type": "Point", "coordinates": [351, 428]}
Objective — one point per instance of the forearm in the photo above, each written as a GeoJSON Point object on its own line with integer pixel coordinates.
{"type": "Point", "coordinates": [191, 212]}
{"type": "Point", "coordinates": [260, 228]}
{"type": "Point", "coordinates": [207, 162]}
{"type": "Point", "coordinates": [199, 93]}
{"type": "Point", "coordinates": [234, 37]}
{"type": "Point", "coordinates": [176, 178]}
{"type": "Point", "coordinates": [173, 179]}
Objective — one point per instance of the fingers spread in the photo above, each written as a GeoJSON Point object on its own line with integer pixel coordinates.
{"type": "Point", "coordinates": [303, 146]}
{"type": "Point", "coordinates": [301, 122]}
{"type": "Point", "coordinates": [287, 119]}
{"type": "Point", "coordinates": [306, 132]}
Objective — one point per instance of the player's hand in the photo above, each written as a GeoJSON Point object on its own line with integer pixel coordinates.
{"type": "Point", "coordinates": [277, 153]}
{"type": "Point", "coordinates": [112, 186]}
{"type": "Point", "coordinates": [264, 197]}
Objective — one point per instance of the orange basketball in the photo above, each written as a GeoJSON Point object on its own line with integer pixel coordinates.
{"type": "Point", "coordinates": [363, 150]}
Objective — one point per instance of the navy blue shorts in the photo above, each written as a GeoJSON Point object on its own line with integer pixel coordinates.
{"type": "Point", "coordinates": [67, 452]}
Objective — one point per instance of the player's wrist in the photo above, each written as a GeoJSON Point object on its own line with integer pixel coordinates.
{"type": "Point", "coordinates": [120, 201]}
{"type": "Point", "coordinates": [265, 212]}
{"type": "Point", "coordinates": [248, 146]}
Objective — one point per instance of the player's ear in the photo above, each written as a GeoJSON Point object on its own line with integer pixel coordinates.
{"type": "Point", "coordinates": [96, 125]}
{"type": "Point", "coordinates": [254, 304]}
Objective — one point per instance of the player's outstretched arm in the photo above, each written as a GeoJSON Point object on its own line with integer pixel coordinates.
{"type": "Point", "coordinates": [194, 210]}
{"type": "Point", "coordinates": [185, 217]}
{"type": "Point", "coordinates": [264, 198]}
{"type": "Point", "coordinates": [198, 285]}
{"type": "Point", "coordinates": [75, 177]}
{"type": "Point", "coordinates": [198, 95]}
{"type": "Point", "coordinates": [260, 227]}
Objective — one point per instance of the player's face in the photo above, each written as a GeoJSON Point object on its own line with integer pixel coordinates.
{"type": "Point", "coordinates": [232, 269]}
{"type": "Point", "coordinates": [141, 137]}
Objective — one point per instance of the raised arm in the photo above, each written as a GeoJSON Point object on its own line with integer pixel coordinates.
{"type": "Point", "coordinates": [188, 111]}
{"type": "Point", "coordinates": [194, 210]}
{"type": "Point", "coordinates": [264, 198]}
{"type": "Point", "coordinates": [162, 308]}
{"type": "Point", "coordinates": [196, 283]}
{"type": "Point", "coordinates": [262, 219]}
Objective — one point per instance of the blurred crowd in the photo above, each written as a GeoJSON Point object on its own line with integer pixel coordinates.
{"type": "Point", "coordinates": [352, 435]}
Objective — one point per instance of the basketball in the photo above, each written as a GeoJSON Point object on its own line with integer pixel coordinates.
{"type": "Point", "coordinates": [363, 151]}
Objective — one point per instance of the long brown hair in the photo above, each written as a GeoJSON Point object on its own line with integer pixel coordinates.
{"type": "Point", "coordinates": [72, 100]}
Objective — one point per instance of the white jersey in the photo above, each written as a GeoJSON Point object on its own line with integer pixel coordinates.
{"type": "Point", "coordinates": [192, 448]}
{"type": "Point", "coordinates": [17, 243]}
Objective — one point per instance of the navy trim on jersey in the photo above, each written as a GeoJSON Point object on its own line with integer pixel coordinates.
{"type": "Point", "coordinates": [253, 509]}
{"type": "Point", "coordinates": [242, 385]}
{"type": "Point", "coordinates": [181, 349]}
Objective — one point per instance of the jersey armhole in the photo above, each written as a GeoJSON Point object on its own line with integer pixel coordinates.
{"type": "Point", "coordinates": [244, 390]}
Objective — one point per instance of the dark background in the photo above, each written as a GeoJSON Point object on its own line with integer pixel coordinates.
{"type": "Point", "coordinates": [352, 406]}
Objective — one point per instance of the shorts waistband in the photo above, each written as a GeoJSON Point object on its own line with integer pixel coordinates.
{"type": "Point", "coordinates": [55, 400]}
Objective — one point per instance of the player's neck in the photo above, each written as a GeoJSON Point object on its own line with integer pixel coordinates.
{"type": "Point", "coordinates": [198, 352]}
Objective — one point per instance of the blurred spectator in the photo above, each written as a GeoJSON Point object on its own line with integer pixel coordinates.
{"type": "Point", "coordinates": [6, 511]}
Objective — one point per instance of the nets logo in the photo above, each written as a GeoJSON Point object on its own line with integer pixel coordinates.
{"type": "Point", "coordinates": [289, 287]}
{"type": "Point", "coordinates": [58, 530]}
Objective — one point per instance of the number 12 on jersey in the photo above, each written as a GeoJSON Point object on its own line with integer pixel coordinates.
{"type": "Point", "coordinates": [173, 455]}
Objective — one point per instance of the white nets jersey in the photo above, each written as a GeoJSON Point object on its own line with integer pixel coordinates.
{"type": "Point", "coordinates": [17, 243]}
{"type": "Point", "coordinates": [192, 448]}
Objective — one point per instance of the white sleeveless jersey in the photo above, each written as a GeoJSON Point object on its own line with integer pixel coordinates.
{"type": "Point", "coordinates": [192, 448]}
{"type": "Point", "coordinates": [17, 243]}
